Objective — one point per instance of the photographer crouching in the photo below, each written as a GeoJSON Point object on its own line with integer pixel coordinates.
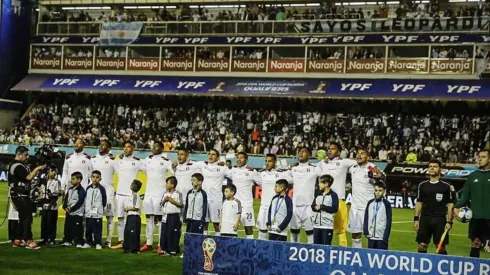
{"type": "Point", "coordinates": [19, 178]}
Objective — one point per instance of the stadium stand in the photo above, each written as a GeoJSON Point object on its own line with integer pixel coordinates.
{"type": "Point", "coordinates": [212, 18]}
{"type": "Point", "coordinates": [390, 129]}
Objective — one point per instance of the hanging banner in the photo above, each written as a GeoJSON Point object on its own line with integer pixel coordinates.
{"type": "Point", "coordinates": [355, 88]}
{"type": "Point", "coordinates": [393, 25]}
{"type": "Point", "coordinates": [366, 38]}
{"type": "Point", "coordinates": [210, 255]}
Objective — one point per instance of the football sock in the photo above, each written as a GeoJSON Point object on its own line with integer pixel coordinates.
{"type": "Point", "coordinates": [120, 229]}
{"type": "Point", "coordinates": [110, 228]}
{"type": "Point", "coordinates": [356, 243]}
{"type": "Point", "coordinates": [342, 239]}
{"type": "Point", "coordinates": [309, 238]}
{"type": "Point", "coordinates": [150, 228]}
{"type": "Point", "coordinates": [475, 252]}
{"type": "Point", "coordinates": [294, 237]}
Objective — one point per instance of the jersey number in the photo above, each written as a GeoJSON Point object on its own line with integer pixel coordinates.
{"type": "Point", "coordinates": [249, 216]}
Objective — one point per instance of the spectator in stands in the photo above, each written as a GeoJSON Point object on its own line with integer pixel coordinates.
{"type": "Point", "coordinates": [230, 124]}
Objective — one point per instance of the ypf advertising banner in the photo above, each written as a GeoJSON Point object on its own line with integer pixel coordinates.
{"type": "Point", "coordinates": [206, 255]}
{"type": "Point", "coordinates": [383, 88]}
{"type": "Point", "coordinates": [341, 39]}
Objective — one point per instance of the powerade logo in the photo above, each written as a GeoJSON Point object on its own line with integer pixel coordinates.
{"type": "Point", "coordinates": [449, 173]}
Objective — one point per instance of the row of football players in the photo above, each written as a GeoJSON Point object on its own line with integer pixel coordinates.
{"type": "Point", "coordinates": [157, 167]}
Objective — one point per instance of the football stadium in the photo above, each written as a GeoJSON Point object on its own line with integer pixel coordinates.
{"type": "Point", "coordinates": [245, 137]}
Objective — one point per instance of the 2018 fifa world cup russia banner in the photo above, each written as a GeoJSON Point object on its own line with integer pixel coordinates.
{"type": "Point", "coordinates": [221, 255]}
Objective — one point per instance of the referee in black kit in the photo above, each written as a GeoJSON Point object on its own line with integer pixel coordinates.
{"type": "Point", "coordinates": [434, 209]}
{"type": "Point", "coordinates": [19, 179]}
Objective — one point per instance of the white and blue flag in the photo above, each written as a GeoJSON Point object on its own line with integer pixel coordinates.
{"type": "Point", "coordinates": [120, 33]}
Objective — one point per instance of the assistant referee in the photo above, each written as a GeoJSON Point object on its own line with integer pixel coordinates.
{"type": "Point", "coordinates": [19, 178]}
{"type": "Point", "coordinates": [434, 209]}
{"type": "Point", "coordinates": [477, 190]}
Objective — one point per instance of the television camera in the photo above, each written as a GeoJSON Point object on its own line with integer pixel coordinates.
{"type": "Point", "coordinates": [49, 156]}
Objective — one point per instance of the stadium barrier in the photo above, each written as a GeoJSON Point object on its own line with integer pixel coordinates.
{"type": "Point", "coordinates": [206, 255]}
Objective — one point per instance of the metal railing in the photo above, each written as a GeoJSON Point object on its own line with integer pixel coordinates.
{"type": "Point", "coordinates": [287, 27]}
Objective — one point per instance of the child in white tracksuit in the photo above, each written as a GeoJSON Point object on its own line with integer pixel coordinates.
{"type": "Point", "coordinates": [377, 219]}
{"type": "Point", "coordinates": [95, 201]}
{"type": "Point", "coordinates": [324, 206]}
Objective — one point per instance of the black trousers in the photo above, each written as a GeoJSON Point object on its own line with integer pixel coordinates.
{"type": "Point", "coordinates": [132, 232]}
{"type": "Point", "coordinates": [24, 206]}
{"type": "Point", "coordinates": [479, 229]}
{"type": "Point", "coordinates": [195, 227]}
{"type": "Point", "coordinates": [93, 231]}
{"type": "Point", "coordinates": [15, 230]}
{"type": "Point", "coordinates": [73, 229]}
{"type": "Point", "coordinates": [277, 237]}
{"type": "Point", "coordinates": [170, 234]}
{"type": "Point", "coordinates": [322, 236]}
{"type": "Point", "coordinates": [49, 219]}
{"type": "Point", "coordinates": [378, 244]}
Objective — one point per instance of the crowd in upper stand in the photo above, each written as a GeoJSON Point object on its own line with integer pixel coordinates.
{"type": "Point", "coordinates": [270, 12]}
{"type": "Point", "coordinates": [392, 130]}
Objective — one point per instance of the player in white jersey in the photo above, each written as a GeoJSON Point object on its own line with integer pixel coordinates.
{"type": "Point", "coordinates": [214, 173]}
{"type": "Point", "coordinates": [78, 161]}
{"type": "Point", "coordinates": [104, 162]}
{"type": "Point", "coordinates": [268, 178]}
{"type": "Point", "coordinates": [127, 168]}
{"type": "Point", "coordinates": [363, 181]}
{"type": "Point", "coordinates": [157, 168]}
{"type": "Point", "coordinates": [244, 178]}
{"type": "Point", "coordinates": [184, 169]}
{"type": "Point", "coordinates": [304, 177]}
{"type": "Point", "coordinates": [337, 167]}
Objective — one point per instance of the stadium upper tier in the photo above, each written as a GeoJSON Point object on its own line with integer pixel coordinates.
{"type": "Point", "coordinates": [252, 18]}
{"type": "Point", "coordinates": [280, 27]}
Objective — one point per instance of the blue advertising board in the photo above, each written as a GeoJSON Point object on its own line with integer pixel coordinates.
{"type": "Point", "coordinates": [221, 255]}
{"type": "Point", "coordinates": [360, 88]}
{"type": "Point", "coordinates": [340, 39]}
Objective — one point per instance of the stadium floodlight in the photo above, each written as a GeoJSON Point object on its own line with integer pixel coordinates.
{"type": "Point", "coordinates": [393, 2]}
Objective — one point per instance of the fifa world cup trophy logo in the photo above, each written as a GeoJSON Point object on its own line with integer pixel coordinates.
{"type": "Point", "coordinates": [208, 247]}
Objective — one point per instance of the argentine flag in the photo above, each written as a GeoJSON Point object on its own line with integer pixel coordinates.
{"type": "Point", "coordinates": [120, 33]}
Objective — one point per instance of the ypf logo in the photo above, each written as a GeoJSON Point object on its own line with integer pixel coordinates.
{"type": "Point", "coordinates": [209, 248]}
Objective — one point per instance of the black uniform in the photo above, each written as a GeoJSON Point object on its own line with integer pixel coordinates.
{"type": "Point", "coordinates": [434, 197]}
{"type": "Point", "coordinates": [19, 193]}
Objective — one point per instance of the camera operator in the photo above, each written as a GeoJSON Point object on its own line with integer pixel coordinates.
{"type": "Point", "coordinates": [20, 178]}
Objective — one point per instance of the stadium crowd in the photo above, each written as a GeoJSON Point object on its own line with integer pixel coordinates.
{"type": "Point", "coordinates": [256, 126]}
{"type": "Point", "coordinates": [253, 12]}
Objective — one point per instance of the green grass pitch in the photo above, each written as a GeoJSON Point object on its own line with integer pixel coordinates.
{"type": "Point", "coordinates": [59, 260]}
